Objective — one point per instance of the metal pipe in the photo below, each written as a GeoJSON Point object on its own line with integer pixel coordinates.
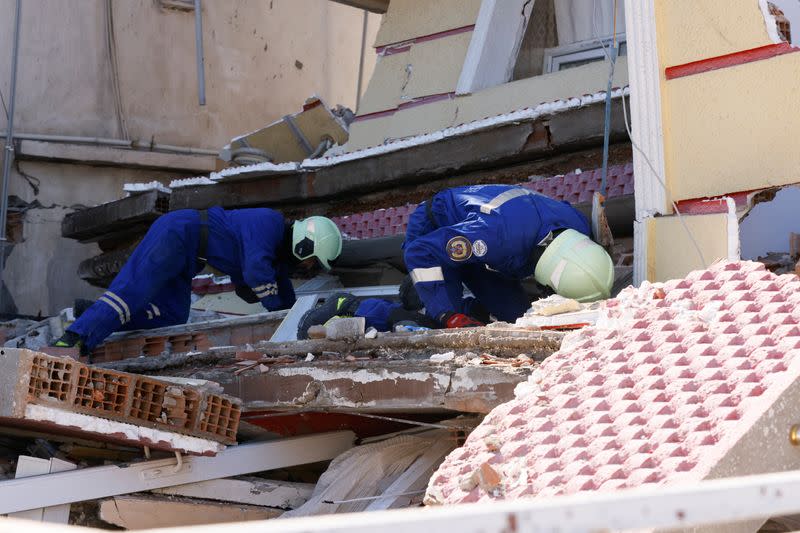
{"type": "Point", "coordinates": [361, 60]}
{"type": "Point", "coordinates": [8, 156]}
{"type": "Point", "coordinates": [102, 141]}
{"type": "Point", "coordinates": [198, 41]}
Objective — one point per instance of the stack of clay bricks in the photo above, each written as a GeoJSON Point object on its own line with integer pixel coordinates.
{"type": "Point", "coordinates": [28, 377]}
{"type": "Point", "coordinates": [145, 345]}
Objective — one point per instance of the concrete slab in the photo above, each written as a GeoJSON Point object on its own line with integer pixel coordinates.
{"type": "Point", "coordinates": [692, 380]}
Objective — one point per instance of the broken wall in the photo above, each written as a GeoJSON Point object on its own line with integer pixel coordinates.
{"type": "Point", "coordinates": [422, 50]}
{"type": "Point", "coordinates": [730, 104]}
{"type": "Point", "coordinates": [259, 65]}
{"type": "Point", "coordinates": [262, 59]}
{"type": "Point", "coordinates": [671, 252]}
{"type": "Point", "coordinates": [724, 84]}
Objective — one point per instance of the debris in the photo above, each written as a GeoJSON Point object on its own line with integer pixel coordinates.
{"type": "Point", "coordinates": [248, 490]}
{"type": "Point", "coordinates": [149, 511]}
{"type": "Point", "coordinates": [488, 478]}
{"type": "Point", "coordinates": [664, 393]}
{"type": "Point", "coordinates": [371, 333]}
{"type": "Point", "coordinates": [554, 305]}
{"type": "Point", "coordinates": [309, 357]}
{"type": "Point", "coordinates": [442, 357]}
{"type": "Point", "coordinates": [345, 328]}
{"type": "Point", "coordinates": [390, 466]}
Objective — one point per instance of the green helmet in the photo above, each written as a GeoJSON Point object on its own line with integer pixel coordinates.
{"type": "Point", "coordinates": [316, 237]}
{"type": "Point", "coordinates": [575, 267]}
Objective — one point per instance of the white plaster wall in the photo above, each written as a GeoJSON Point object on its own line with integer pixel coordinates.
{"type": "Point", "coordinates": [766, 228]}
{"type": "Point", "coordinates": [253, 52]}
{"type": "Point", "coordinates": [253, 55]}
{"type": "Point", "coordinates": [41, 272]}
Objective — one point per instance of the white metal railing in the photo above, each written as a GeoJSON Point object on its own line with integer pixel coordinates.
{"type": "Point", "coordinates": [721, 501]}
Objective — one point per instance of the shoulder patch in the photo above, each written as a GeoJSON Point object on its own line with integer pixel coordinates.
{"type": "Point", "coordinates": [459, 249]}
{"type": "Point", "coordinates": [479, 248]}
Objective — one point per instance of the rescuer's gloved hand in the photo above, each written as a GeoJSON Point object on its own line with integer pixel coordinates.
{"type": "Point", "coordinates": [460, 320]}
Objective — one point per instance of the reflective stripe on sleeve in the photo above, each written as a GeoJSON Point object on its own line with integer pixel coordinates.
{"type": "Point", "coordinates": [500, 199]}
{"type": "Point", "coordinates": [419, 275]}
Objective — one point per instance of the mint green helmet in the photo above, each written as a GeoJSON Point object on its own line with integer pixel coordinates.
{"type": "Point", "coordinates": [576, 267]}
{"type": "Point", "coordinates": [316, 237]}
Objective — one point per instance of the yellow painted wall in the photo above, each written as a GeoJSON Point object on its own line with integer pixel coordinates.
{"type": "Point", "coordinates": [496, 100]}
{"type": "Point", "coordinates": [407, 19]}
{"type": "Point", "coordinates": [731, 129]}
{"type": "Point", "coordinates": [670, 251]}
{"type": "Point", "coordinates": [696, 29]}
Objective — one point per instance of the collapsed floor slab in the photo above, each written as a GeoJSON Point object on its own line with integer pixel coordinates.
{"type": "Point", "coordinates": [60, 394]}
{"type": "Point", "coordinates": [694, 380]}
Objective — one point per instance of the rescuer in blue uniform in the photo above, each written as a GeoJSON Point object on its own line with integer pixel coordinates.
{"type": "Point", "coordinates": [255, 247]}
{"type": "Point", "coordinates": [490, 237]}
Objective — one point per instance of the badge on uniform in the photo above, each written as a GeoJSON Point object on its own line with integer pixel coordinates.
{"type": "Point", "coordinates": [459, 249]}
{"type": "Point", "coordinates": [479, 248]}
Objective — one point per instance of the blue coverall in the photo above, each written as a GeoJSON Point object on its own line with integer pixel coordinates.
{"type": "Point", "coordinates": [488, 237]}
{"type": "Point", "coordinates": [154, 287]}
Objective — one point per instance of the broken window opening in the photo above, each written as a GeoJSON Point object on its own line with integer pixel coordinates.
{"type": "Point", "coordinates": [565, 34]}
{"type": "Point", "coordinates": [770, 231]}
{"type": "Point", "coordinates": [780, 16]}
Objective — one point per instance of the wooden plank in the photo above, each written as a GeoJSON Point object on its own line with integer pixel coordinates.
{"type": "Point", "coordinates": [148, 511]}
{"type": "Point", "coordinates": [113, 480]}
{"type": "Point", "coordinates": [247, 490]}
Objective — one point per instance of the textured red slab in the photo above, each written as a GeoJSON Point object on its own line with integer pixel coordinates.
{"type": "Point", "coordinates": [659, 392]}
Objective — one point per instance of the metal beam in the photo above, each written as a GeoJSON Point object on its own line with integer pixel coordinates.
{"type": "Point", "coordinates": [104, 481]}
{"type": "Point", "coordinates": [308, 295]}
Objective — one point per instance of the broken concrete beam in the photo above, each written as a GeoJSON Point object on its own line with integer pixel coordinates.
{"type": "Point", "coordinates": [38, 387]}
{"type": "Point", "coordinates": [502, 145]}
{"type": "Point", "coordinates": [101, 270]}
{"type": "Point", "coordinates": [247, 490]}
{"type": "Point", "coordinates": [185, 338]}
{"type": "Point", "coordinates": [148, 512]}
{"type": "Point", "coordinates": [124, 217]}
{"type": "Point", "coordinates": [507, 342]}
{"type": "Point", "coordinates": [380, 385]}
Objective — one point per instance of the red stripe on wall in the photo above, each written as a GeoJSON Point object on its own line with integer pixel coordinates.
{"type": "Point", "coordinates": [405, 105]}
{"type": "Point", "coordinates": [729, 60]}
{"type": "Point", "coordinates": [402, 46]}
{"type": "Point", "coordinates": [707, 206]}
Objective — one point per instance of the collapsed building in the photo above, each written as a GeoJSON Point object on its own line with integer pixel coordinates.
{"type": "Point", "coordinates": [682, 377]}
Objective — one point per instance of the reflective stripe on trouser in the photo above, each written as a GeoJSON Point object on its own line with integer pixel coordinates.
{"type": "Point", "coordinates": [156, 278]}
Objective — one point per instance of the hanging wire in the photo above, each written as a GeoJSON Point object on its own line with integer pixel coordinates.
{"type": "Point", "coordinates": [661, 182]}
